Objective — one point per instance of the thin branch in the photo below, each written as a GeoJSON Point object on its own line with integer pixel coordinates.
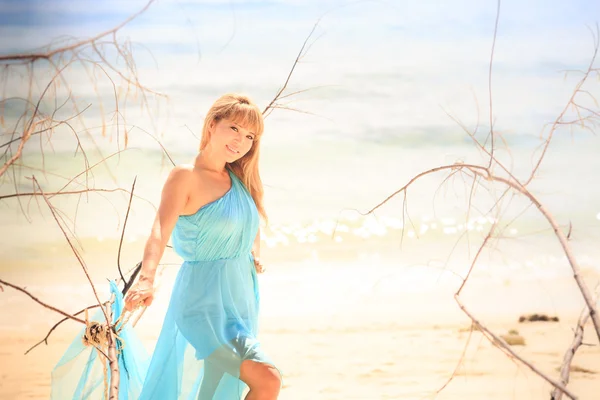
{"type": "Point", "coordinates": [46, 305]}
{"type": "Point", "coordinates": [87, 170]}
{"type": "Point", "coordinates": [113, 360]}
{"type": "Point", "coordinates": [483, 244]}
{"type": "Point", "coordinates": [123, 231]}
{"type": "Point", "coordinates": [505, 348]}
{"type": "Point", "coordinates": [482, 147]}
{"type": "Point", "coordinates": [45, 340]}
{"type": "Point", "coordinates": [52, 194]}
{"type": "Point", "coordinates": [61, 50]}
{"type": "Point", "coordinates": [128, 285]}
{"type": "Point", "coordinates": [134, 275]}
{"type": "Point", "coordinates": [17, 155]}
{"type": "Point", "coordinates": [459, 363]}
{"type": "Point", "coordinates": [157, 141]}
{"type": "Point", "coordinates": [431, 171]}
{"type": "Point", "coordinates": [490, 85]}
{"type": "Point", "coordinates": [305, 90]}
{"type": "Point", "coordinates": [565, 245]}
{"type": "Point", "coordinates": [284, 107]}
{"type": "Point", "coordinates": [563, 112]}
{"type": "Point", "coordinates": [50, 128]}
{"type": "Point", "coordinates": [570, 353]}
{"type": "Point", "coordinates": [32, 123]}
{"type": "Point", "coordinates": [300, 54]}
{"type": "Point", "coordinates": [37, 106]}
{"type": "Point", "coordinates": [499, 342]}
{"type": "Point", "coordinates": [74, 250]}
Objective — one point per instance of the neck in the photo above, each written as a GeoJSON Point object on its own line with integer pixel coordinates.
{"type": "Point", "coordinates": [207, 161]}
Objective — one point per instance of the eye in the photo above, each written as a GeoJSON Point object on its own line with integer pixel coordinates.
{"type": "Point", "coordinates": [234, 128]}
{"type": "Point", "coordinates": [250, 137]}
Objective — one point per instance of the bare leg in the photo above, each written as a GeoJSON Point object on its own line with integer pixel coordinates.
{"type": "Point", "coordinates": [210, 380]}
{"type": "Point", "coordinates": [263, 380]}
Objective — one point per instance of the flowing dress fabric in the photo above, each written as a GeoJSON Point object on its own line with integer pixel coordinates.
{"type": "Point", "coordinates": [211, 323]}
{"type": "Point", "coordinates": [82, 373]}
{"type": "Point", "coordinates": [212, 320]}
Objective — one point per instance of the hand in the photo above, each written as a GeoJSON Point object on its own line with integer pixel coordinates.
{"type": "Point", "coordinates": [258, 266]}
{"type": "Point", "coordinates": [140, 294]}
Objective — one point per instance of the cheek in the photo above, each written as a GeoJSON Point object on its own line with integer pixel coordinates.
{"type": "Point", "coordinates": [247, 145]}
{"type": "Point", "coordinates": [221, 136]}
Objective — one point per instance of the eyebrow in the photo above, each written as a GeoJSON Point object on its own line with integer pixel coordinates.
{"type": "Point", "coordinates": [239, 126]}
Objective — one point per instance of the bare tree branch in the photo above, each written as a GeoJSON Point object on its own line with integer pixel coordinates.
{"type": "Point", "coordinates": [570, 353]}
{"type": "Point", "coordinates": [16, 156]}
{"type": "Point", "coordinates": [45, 339]}
{"type": "Point", "coordinates": [128, 285]}
{"type": "Point", "coordinates": [564, 242]}
{"type": "Point", "coordinates": [571, 101]}
{"type": "Point", "coordinates": [66, 49]}
{"type": "Point", "coordinates": [300, 55]}
{"type": "Point", "coordinates": [52, 194]}
{"type": "Point", "coordinates": [123, 231]}
{"type": "Point", "coordinates": [505, 348]}
{"type": "Point", "coordinates": [74, 250]}
{"type": "Point", "coordinates": [46, 305]}
{"type": "Point", "coordinates": [491, 116]}
{"type": "Point", "coordinates": [428, 172]}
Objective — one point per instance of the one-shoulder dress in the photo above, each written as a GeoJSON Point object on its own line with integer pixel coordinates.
{"type": "Point", "coordinates": [211, 323]}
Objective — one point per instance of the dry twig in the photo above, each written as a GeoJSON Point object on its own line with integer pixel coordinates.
{"type": "Point", "coordinates": [44, 304]}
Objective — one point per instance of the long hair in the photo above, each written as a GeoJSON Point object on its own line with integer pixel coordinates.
{"type": "Point", "coordinates": [240, 109]}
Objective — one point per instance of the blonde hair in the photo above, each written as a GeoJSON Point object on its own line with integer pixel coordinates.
{"type": "Point", "coordinates": [241, 110]}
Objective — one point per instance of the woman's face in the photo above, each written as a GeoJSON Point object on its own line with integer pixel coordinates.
{"type": "Point", "coordinates": [231, 140]}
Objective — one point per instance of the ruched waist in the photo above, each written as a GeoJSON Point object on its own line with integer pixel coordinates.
{"type": "Point", "coordinates": [242, 257]}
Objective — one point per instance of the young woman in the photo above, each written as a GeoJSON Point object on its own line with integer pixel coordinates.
{"type": "Point", "coordinates": [207, 348]}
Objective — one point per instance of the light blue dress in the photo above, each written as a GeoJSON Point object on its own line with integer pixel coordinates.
{"type": "Point", "coordinates": [212, 320]}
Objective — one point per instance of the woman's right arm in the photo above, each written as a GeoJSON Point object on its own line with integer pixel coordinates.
{"type": "Point", "coordinates": [174, 198]}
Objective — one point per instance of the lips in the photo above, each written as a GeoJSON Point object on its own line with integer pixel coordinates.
{"type": "Point", "coordinates": [231, 149]}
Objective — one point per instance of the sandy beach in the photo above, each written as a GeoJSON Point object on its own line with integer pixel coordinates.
{"type": "Point", "coordinates": [380, 344]}
{"type": "Point", "coordinates": [366, 361]}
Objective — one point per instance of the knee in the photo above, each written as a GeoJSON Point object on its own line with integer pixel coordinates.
{"type": "Point", "coordinates": [271, 380]}
{"type": "Point", "coordinates": [268, 382]}
{"type": "Point", "coordinates": [262, 379]}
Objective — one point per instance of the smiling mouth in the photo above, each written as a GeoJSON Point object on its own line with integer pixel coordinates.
{"type": "Point", "coordinates": [232, 149]}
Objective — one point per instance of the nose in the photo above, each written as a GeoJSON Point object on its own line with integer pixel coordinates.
{"type": "Point", "coordinates": [238, 137]}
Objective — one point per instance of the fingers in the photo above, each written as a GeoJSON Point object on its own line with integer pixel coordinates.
{"type": "Point", "coordinates": [138, 298]}
{"type": "Point", "coordinates": [129, 304]}
{"type": "Point", "coordinates": [258, 266]}
{"type": "Point", "coordinates": [133, 305]}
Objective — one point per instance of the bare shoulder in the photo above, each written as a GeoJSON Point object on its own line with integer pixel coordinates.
{"type": "Point", "coordinates": [182, 171]}
{"type": "Point", "coordinates": [180, 177]}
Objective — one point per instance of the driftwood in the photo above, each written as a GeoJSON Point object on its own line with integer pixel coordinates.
{"type": "Point", "coordinates": [510, 183]}
{"type": "Point", "coordinates": [33, 123]}
{"type": "Point", "coordinates": [570, 353]}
